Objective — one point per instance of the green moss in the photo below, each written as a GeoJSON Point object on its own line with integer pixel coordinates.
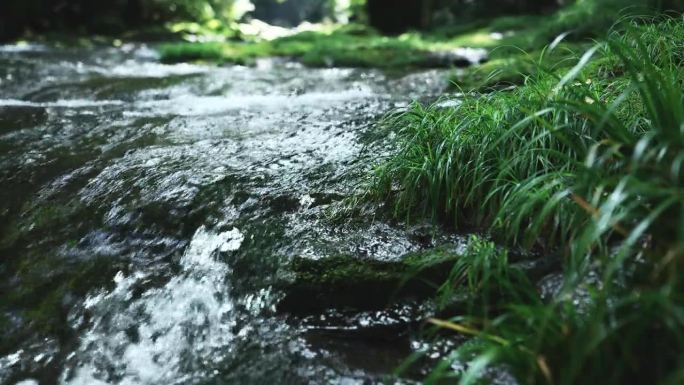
{"type": "Point", "coordinates": [10, 235]}
{"type": "Point", "coordinates": [343, 269]}
{"type": "Point", "coordinates": [352, 46]}
{"type": "Point", "coordinates": [46, 282]}
{"type": "Point", "coordinates": [344, 281]}
{"type": "Point", "coordinates": [347, 282]}
{"type": "Point", "coordinates": [38, 221]}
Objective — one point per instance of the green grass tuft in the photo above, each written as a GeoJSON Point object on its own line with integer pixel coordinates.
{"type": "Point", "coordinates": [583, 160]}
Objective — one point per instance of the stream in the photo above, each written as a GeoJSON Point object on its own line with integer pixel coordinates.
{"type": "Point", "coordinates": [148, 211]}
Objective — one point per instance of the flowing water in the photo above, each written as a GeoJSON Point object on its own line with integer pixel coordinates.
{"type": "Point", "coordinates": [148, 212]}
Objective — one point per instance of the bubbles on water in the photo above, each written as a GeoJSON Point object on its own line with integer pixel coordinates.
{"type": "Point", "coordinates": [36, 355]}
{"type": "Point", "coordinates": [10, 360]}
{"type": "Point", "coordinates": [305, 201]}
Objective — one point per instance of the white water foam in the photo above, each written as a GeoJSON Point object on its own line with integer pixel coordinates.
{"type": "Point", "coordinates": [184, 324]}
{"type": "Point", "coordinates": [208, 105]}
{"type": "Point", "coordinates": [22, 47]}
{"type": "Point", "coordinates": [136, 69]}
{"type": "Point", "coordinates": [72, 103]}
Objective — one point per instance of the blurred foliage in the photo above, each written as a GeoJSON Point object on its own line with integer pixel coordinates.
{"type": "Point", "coordinates": [388, 16]}
{"type": "Point", "coordinates": [110, 17]}
{"type": "Point", "coordinates": [352, 45]}
{"type": "Point", "coordinates": [117, 16]}
{"type": "Point", "coordinates": [206, 10]}
{"type": "Point", "coordinates": [290, 13]}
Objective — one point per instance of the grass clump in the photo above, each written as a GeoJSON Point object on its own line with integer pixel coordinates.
{"type": "Point", "coordinates": [483, 280]}
{"type": "Point", "coordinates": [585, 162]}
{"type": "Point", "coordinates": [462, 163]}
{"type": "Point", "coordinates": [516, 66]}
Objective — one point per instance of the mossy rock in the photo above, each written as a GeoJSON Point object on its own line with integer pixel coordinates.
{"type": "Point", "coordinates": [14, 118]}
{"type": "Point", "coordinates": [345, 282]}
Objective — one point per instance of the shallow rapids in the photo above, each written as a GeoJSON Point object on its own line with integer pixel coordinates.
{"type": "Point", "coordinates": [147, 212]}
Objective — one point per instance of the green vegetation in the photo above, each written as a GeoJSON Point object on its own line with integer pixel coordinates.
{"type": "Point", "coordinates": [485, 277]}
{"type": "Point", "coordinates": [580, 159]}
{"type": "Point", "coordinates": [583, 161]}
{"type": "Point", "coordinates": [351, 45]}
{"type": "Point", "coordinates": [517, 42]}
{"type": "Point", "coordinates": [512, 40]}
{"type": "Point", "coordinates": [18, 17]}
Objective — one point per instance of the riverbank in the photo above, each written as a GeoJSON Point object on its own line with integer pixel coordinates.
{"type": "Point", "coordinates": [201, 223]}
{"type": "Point", "coordinates": [332, 46]}
{"type": "Point", "coordinates": [504, 41]}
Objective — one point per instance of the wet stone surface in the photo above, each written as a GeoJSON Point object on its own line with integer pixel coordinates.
{"type": "Point", "coordinates": [148, 211]}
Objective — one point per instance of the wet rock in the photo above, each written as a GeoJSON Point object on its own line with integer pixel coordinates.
{"type": "Point", "coordinates": [113, 161]}
{"type": "Point", "coordinates": [461, 57]}
{"type": "Point", "coordinates": [360, 284]}
{"type": "Point", "coordinates": [324, 198]}
{"type": "Point", "coordinates": [536, 268]}
{"type": "Point", "coordinates": [11, 323]}
{"type": "Point", "coordinates": [283, 203]}
{"type": "Point", "coordinates": [387, 324]}
{"type": "Point", "coordinates": [34, 363]}
{"type": "Point", "coordinates": [347, 282]}
{"type": "Point", "coordinates": [366, 356]}
{"type": "Point", "coordinates": [550, 286]}
{"type": "Point", "coordinates": [19, 117]}
{"type": "Point", "coordinates": [371, 343]}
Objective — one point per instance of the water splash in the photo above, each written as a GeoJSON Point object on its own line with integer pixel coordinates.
{"type": "Point", "coordinates": [155, 337]}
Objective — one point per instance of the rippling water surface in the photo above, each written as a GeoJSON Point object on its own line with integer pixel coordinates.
{"type": "Point", "coordinates": [147, 212]}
